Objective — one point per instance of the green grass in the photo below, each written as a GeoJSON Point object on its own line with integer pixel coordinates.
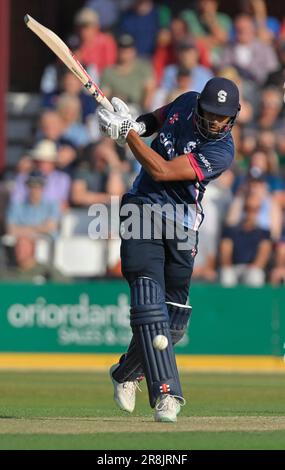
{"type": "Point", "coordinates": [27, 398]}
{"type": "Point", "coordinates": [179, 441]}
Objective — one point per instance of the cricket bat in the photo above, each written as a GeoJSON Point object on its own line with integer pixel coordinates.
{"type": "Point", "coordinates": [63, 52]}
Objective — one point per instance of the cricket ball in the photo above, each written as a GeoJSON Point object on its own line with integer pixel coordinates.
{"type": "Point", "coordinates": [160, 342]}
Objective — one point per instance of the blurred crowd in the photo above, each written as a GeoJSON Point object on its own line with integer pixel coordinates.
{"type": "Point", "coordinates": [139, 51]}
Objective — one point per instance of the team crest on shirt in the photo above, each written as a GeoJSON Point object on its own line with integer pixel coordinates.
{"type": "Point", "coordinates": [190, 146]}
{"type": "Point", "coordinates": [174, 119]}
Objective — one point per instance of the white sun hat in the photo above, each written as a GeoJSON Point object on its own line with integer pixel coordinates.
{"type": "Point", "coordinates": [45, 151]}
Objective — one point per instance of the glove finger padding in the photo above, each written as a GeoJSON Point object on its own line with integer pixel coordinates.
{"type": "Point", "coordinates": [116, 126]}
{"type": "Point", "coordinates": [120, 107]}
{"type": "Point", "coordinates": [108, 126]}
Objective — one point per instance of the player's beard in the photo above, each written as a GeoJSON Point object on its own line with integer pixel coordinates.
{"type": "Point", "coordinates": [210, 129]}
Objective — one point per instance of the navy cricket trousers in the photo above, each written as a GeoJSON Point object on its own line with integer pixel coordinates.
{"type": "Point", "coordinates": [159, 259]}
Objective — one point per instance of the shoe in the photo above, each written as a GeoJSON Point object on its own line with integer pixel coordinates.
{"type": "Point", "coordinates": [124, 393]}
{"type": "Point", "coordinates": [168, 408]}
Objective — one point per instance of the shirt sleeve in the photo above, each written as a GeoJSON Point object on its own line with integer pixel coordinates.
{"type": "Point", "coordinates": [265, 235]}
{"type": "Point", "coordinates": [165, 110]}
{"type": "Point", "coordinates": [228, 232]}
{"type": "Point", "coordinates": [211, 161]}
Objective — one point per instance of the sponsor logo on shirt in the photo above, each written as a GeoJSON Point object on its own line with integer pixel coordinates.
{"type": "Point", "coordinates": [167, 142]}
{"type": "Point", "coordinates": [190, 146]}
{"type": "Point", "coordinates": [206, 162]}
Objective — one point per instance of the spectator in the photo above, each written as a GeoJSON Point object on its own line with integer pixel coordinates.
{"type": "Point", "coordinates": [264, 163]}
{"type": "Point", "coordinates": [184, 84]}
{"type": "Point", "coordinates": [27, 268]}
{"type": "Point", "coordinates": [276, 78]}
{"type": "Point", "coordinates": [216, 204]}
{"type": "Point", "coordinates": [245, 249]}
{"type": "Point", "coordinates": [97, 49]}
{"type": "Point", "coordinates": [100, 178]}
{"type": "Point", "coordinates": [269, 216]}
{"type": "Point", "coordinates": [71, 86]}
{"type": "Point", "coordinates": [142, 22]}
{"type": "Point", "coordinates": [265, 129]}
{"type": "Point", "coordinates": [107, 11]}
{"type": "Point", "coordinates": [34, 216]}
{"type": "Point", "coordinates": [57, 185]}
{"type": "Point", "coordinates": [267, 27]}
{"type": "Point", "coordinates": [254, 59]}
{"type": "Point", "coordinates": [187, 57]}
{"type": "Point", "coordinates": [166, 46]}
{"type": "Point", "coordinates": [69, 109]}
{"type": "Point", "coordinates": [51, 128]}
{"type": "Point", "coordinates": [269, 114]}
{"type": "Point", "coordinates": [131, 79]}
{"type": "Point", "coordinates": [207, 23]}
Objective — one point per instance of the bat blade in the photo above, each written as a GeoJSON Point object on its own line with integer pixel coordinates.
{"type": "Point", "coordinates": [61, 50]}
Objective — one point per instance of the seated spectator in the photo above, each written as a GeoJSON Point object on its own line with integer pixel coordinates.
{"type": "Point", "coordinates": [270, 213]}
{"type": "Point", "coordinates": [71, 86]}
{"type": "Point", "coordinates": [267, 27]}
{"type": "Point", "coordinates": [184, 84]}
{"type": "Point", "coordinates": [99, 178]}
{"type": "Point", "coordinates": [263, 163]}
{"type": "Point", "coordinates": [187, 57]}
{"type": "Point", "coordinates": [142, 22]}
{"type": "Point", "coordinates": [131, 79]}
{"type": "Point", "coordinates": [254, 59]}
{"type": "Point", "coordinates": [276, 78]}
{"type": "Point", "coordinates": [27, 268]}
{"type": "Point", "coordinates": [51, 127]}
{"type": "Point", "coordinates": [277, 275]}
{"type": "Point", "coordinates": [270, 108]}
{"type": "Point", "coordinates": [268, 121]}
{"type": "Point", "coordinates": [107, 11]}
{"type": "Point", "coordinates": [34, 216]}
{"type": "Point", "coordinates": [245, 249]}
{"type": "Point", "coordinates": [69, 109]}
{"type": "Point", "coordinates": [57, 185]}
{"type": "Point", "coordinates": [215, 204]}
{"type": "Point", "coordinates": [97, 49]}
{"type": "Point", "coordinates": [207, 23]}
{"type": "Point", "coordinates": [166, 47]}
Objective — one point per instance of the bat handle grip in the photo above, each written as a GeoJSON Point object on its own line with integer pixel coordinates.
{"type": "Point", "coordinates": [106, 104]}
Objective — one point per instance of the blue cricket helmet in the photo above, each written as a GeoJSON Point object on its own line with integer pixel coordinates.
{"type": "Point", "coordinates": [220, 96]}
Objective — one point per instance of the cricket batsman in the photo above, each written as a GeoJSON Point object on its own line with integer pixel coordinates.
{"type": "Point", "coordinates": [193, 145]}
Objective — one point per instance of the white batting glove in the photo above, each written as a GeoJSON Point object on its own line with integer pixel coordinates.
{"type": "Point", "coordinates": [117, 127]}
{"type": "Point", "coordinates": [121, 107]}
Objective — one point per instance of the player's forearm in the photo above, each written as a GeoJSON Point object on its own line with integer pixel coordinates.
{"type": "Point", "coordinates": [150, 160]}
